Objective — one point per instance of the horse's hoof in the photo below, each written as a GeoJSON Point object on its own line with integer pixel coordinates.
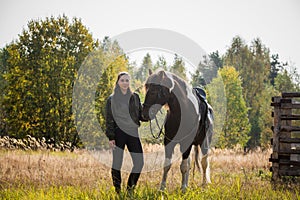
{"type": "Point", "coordinates": [205, 184]}
{"type": "Point", "coordinates": [183, 189]}
{"type": "Point", "coordinates": [162, 188]}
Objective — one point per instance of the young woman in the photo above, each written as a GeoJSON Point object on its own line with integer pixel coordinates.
{"type": "Point", "coordinates": [123, 115]}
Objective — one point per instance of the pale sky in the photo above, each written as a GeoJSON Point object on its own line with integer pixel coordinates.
{"type": "Point", "coordinates": [211, 23]}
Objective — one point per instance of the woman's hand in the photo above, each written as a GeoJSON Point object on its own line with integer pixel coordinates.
{"type": "Point", "coordinates": [112, 144]}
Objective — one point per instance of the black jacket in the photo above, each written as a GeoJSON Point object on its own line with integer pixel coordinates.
{"type": "Point", "coordinates": [135, 110]}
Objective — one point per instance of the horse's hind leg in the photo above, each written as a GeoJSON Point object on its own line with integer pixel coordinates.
{"type": "Point", "coordinates": [167, 165]}
{"type": "Point", "coordinates": [206, 169]}
{"type": "Point", "coordinates": [185, 168]}
{"type": "Point", "coordinates": [205, 150]}
{"type": "Point", "coordinates": [205, 161]}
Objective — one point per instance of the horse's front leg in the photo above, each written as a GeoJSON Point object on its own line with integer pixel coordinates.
{"type": "Point", "coordinates": [185, 168]}
{"type": "Point", "coordinates": [167, 166]}
{"type": "Point", "coordinates": [169, 148]}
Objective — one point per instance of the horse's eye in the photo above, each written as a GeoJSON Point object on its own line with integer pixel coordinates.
{"type": "Point", "coordinates": [151, 92]}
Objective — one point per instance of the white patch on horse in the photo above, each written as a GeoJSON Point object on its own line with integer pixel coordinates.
{"type": "Point", "coordinates": [192, 98]}
{"type": "Point", "coordinates": [170, 76]}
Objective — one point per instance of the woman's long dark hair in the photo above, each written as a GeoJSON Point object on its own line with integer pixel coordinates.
{"type": "Point", "coordinates": [117, 90]}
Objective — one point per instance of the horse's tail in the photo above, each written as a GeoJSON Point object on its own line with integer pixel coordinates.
{"type": "Point", "coordinates": [197, 157]}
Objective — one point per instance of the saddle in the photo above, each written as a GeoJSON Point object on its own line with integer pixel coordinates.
{"type": "Point", "coordinates": [200, 93]}
{"type": "Point", "coordinates": [203, 105]}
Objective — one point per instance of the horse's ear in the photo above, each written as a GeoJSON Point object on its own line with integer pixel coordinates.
{"type": "Point", "coordinates": [166, 80]}
{"type": "Point", "coordinates": [150, 72]}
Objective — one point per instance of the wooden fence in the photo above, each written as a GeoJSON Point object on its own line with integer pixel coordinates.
{"type": "Point", "coordinates": [285, 157]}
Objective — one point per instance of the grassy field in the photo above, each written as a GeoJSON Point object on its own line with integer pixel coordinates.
{"type": "Point", "coordinates": [85, 175]}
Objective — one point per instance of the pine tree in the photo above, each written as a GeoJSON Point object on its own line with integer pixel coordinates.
{"type": "Point", "coordinates": [253, 65]}
{"type": "Point", "coordinates": [143, 71]}
{"type": "Point", "coordinates": [161, 63]}
{"type": "Point", "coordinates": [178, 67]}
{"type": "Point", "coordinates": [207, 69]}
{"type": "Point", "coordinates": [284, 82]}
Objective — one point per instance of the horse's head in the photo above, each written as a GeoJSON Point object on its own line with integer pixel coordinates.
{"type": "Point", "coordinates": [158, 90]}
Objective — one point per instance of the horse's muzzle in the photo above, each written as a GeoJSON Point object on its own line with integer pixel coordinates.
{"type": "Point", "coordinates": [145, 117]}
{"type": "Point", "coordinates": [150, 113]}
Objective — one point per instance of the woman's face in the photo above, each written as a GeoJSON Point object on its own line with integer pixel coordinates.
{"type": "Point", "coordinates": [124, 82]}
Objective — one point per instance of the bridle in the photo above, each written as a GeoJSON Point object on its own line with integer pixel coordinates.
{"type": "Point", "coordinates": [157, 124]}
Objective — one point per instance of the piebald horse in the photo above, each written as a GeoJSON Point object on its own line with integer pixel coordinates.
{"type": "Point", "coordinates": [189, 121]}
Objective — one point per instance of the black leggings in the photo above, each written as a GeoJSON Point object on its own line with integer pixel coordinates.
{"type": "Point", "coordinates": [134, 146]}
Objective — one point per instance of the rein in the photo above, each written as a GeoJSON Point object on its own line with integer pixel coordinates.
{"type": "Point", "coordinates": [157, 124]}
{"type": "Point", "coordinates": [160, 127]}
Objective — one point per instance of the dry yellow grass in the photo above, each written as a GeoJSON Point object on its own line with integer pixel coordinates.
{"type": "Point", "coordinates": [50, 168]}
{"type": "Point", "coordinates": [88, 169]}
{"type": "Point", "coordinates": [233, 160]}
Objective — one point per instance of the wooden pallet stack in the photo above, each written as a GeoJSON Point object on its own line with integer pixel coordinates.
{"type": "Point", "coordinates": [285, 157]}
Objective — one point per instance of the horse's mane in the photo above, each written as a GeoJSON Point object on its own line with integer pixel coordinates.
{"type": "Point", "coordinates": [175, 79]}
{"type": "Point", "coordinates": [181, 82]}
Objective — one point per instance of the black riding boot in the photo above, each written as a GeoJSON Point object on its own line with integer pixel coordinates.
{"type": "Point", "coordinates": [116, 177]}
{"type": "Point", "coordinates": [132, 181]}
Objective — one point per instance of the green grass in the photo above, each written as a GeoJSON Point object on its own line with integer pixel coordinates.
{"type": "Point", "coordinates": [228, 187]}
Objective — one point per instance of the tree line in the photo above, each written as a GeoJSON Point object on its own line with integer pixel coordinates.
{"type": "Point", "coordinates": [39, 71]}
